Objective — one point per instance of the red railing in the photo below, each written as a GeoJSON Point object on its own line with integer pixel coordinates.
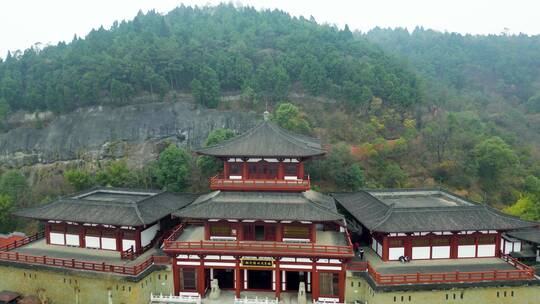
{"type": "Point", "coordinates": [128, 254]}
{"type": "Point", "coordinates": [258, 247]}
{"type": "Point", "coordinates": [23, 242]}
{"type": "Point", "coordinates": [517, 264]}
{"type": "Point", "coordinates": [253, 246]}
{"type": "Point", "coordinates": [218, 182]}
{"type": "Point", "coordinates": [357, 266]}
{"type": "Point", "coordinates": [131, 254]}
{"type": "Point", "coordinates": [81, 265]}
{"type": "Point", "coordinates": [162, 260]}
{"type": "Point", "coordinates": [175, 233]}
{"type": "Point", "coordinates": [522, 272]}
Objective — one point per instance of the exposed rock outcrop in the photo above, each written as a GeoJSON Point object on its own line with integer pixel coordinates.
{"type": "Point", "coordinates": [134, 131]}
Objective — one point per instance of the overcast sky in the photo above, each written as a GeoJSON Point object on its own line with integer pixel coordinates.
{"type": "Point", "coordinates": [24, 22]}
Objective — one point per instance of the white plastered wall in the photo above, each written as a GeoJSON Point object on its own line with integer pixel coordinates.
{"type": "Point", "coordinates": [420, 253]}
{"type": "Point", "coordinates": [440, 252]}
{"type": "Point", "coordinates": [466, 251]}
{"type": "Point", "coordinates": [108, 243]}
{"type": "Point", "coordinates": [91, 241]}
{"type": "Point", "coordinates": [149, 234]}
{"type": "Point", "coordinates": [486, 250]}
{"type": "Point", "coordinates": [126, 244]}
{"type": "Point", "coordinates": [395, 252]}
{"type": "Point", "coordinates": [72, 240]}
{"type": "Point", "coordinates": [57, 238]}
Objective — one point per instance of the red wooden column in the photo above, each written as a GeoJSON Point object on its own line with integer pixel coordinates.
{"type": "Point", "coordinates": [476, 234]}
{"type": "Point", "coordinates": [407, 243]}
{"type": "Point", "coordinates": [138, 243]}
{"type": "Point", "coordinates": [498, 245]}
{"type": "Point", "coordinates": [313, 232]}
{"type": "Point", "coordinates": [385, 248]}
{"type": "Point", "coordinates": [201, 280]}
{"type": "Point", "coordinates": [238, 279]}
{"type": "Point", "coordinates": [314, 281]}
{"type": "Point", "coordinates": [82, 236]}
{"type": "Point", "coordinates": [176, 277]}
{"type": "Point", "coordinates": [281, 170]}
{"type": "Point", "coordinates": [240, 231]}
{"type": "Point", "coordinates": [279, 232]}
{"type": "Point", "coordinates": [118, 236]}
{"type": "Point", "coordinates": [225, 169]}
{"type": "Point", "coordinates": [245, 170]}
{"type": "Point", "coordinates": [206, 231]}
{"type": "Point", "coordinates": [48, 233]}
{"type": "Point", "coordinates": [278, 279]}
{"type": "Point", "coordinates": [300, 170]}
{"type": "Point", "coordinates": [454, 245]}
{"type": "Point", "coordinates": [341, 284]}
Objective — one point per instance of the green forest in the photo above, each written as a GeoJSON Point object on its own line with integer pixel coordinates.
{"type": "Point", "coordinates": [395, 108]}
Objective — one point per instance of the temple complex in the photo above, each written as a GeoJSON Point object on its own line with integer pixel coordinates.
{"type": "Point", "coordinates": [263, 235]}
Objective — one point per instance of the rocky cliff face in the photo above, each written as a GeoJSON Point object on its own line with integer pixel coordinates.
{"type": "Point", "coordinates": [107, 133]}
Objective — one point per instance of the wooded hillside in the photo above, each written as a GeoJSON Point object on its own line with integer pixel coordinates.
{"type": "Point", "coordinates": [394, 109]}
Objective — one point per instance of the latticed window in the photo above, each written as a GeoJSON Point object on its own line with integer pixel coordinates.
{"type": "Point", "coordinates": [108, 233]}
{"type": "Point", "coordinates": [188, 278]}
{"type": "Point", "coordinates": [235, 168]}
{"type": "Point", "coordinates": [420, 242]}
{"type": "Point", "coordinates": [395, 243]}
{"type": "Point", "coordinates": [486, 240]}
{"type": "Point", "coordinates": [220, 230]}
{"type": "Point", "coordinates": [328, 284]}
{"type": "Point", "coordinates": [466, 240]}
{"type": "Point", "coordinates": [290, 169]}
{"type": "Point", "coordinates": [93, 231]}
{"type": "Point", "coordinates": [301, 232]}
{"type": "Point", "coordinates": [252, 168]}
{"type": "Point", "coordinates": [272, 170]}
{"type": "Point", "coordinates": [130, 235]}
{"type": "Point", "coordinates": [73, 229]}
{"type": "Point", "coordinates": [440, 241]}
{"type": "Point", "coordinates": [57, 228]}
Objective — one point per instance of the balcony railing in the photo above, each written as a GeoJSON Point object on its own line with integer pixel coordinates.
{"type": "Point", "coordinates": [219, 182]}
{"type": "Point", "coordinates": [77, 264]}
{"type": "Point", "coordinates": [254, 247]}
{"type": "Point", "coordinates": [12, 256]}
{"type": "Point", "coordinates": [522, 272]}
{"type": "Point", "coordinates": [25, 241]}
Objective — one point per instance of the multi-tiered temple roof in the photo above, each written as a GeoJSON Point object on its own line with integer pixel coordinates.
{"type": "Point", "coordinates": [266, 140]}
{"type": "Point", "coordinates": [292, 206]}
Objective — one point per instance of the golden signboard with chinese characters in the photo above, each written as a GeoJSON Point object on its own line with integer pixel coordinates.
{"type": "Point", "coordinates": [257, 263]}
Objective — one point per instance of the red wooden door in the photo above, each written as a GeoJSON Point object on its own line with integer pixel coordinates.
{"type": "Point", "coordinates": [248, 233]}
{"type": "Point", "coordinates": [270, 233]}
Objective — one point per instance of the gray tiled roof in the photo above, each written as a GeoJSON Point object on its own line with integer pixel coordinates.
{"type": "Point", "coordinates": [531, 235]}
{"type": "Point", "coordinates": [100, 206]}
{"type": "Point", "coordinates": [294, 206]}
{"type": "Point", "coordinates": [378, 216]}
{"type": "Point", "coordinates": [266, 140]}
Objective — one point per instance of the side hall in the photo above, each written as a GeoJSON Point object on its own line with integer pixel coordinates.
{"type": "Point", "coordinates": [422, 224]}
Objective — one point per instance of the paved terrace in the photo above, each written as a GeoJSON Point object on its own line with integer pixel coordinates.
{"type": "Point", "coordinates": [441, 271]}
{"type": "Point", "coordinates": [435, 266]}
{"type": "Point", "coordinates": [330, 238]}
{"type": "Point", "coordinates": [40, 248]}
{"type": "Point", "coordinates": [34, 250]}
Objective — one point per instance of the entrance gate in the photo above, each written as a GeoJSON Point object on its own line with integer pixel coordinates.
{"type": "Point", "coordinates": [259, 279]}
